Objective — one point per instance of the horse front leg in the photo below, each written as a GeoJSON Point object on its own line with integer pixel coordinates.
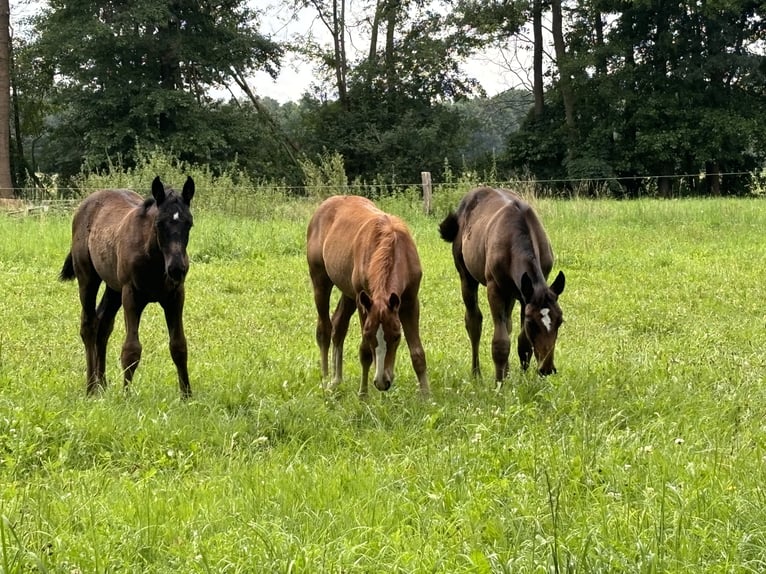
{"type": "Point", "coordinates": [501, 342]}
{"type": "Point", "coordinates": [131, 349]}
{"type": "Point", "coordinates": [365, 358]}
{"type": "Point", "coordinates": [469, 288]}
{"type": "Point", "coordinates": [410, 319]}
{"type": "Point", "coordinates": [174, 309]}
{"type": "Point", "coordinates": [340, 320]}
{"type": "Point", "coordinates": [524, 345]}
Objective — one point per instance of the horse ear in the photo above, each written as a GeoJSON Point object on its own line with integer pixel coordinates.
{"type": "Point", "coordinates": [158, 190]}
{"type": "Point", "coordinates": [394, 302]}
{"type": "Point", "coordinates": [188, 191]}
{"type": "Point", "coordinates": [558, 283]}
{"type": "Point", "coordinates": [527, 289]}
{"type": "Point", "coordinates": [365, 300]}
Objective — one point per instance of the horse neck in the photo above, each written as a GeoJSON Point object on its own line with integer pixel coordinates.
{"type": "Point", "coordinates": [525, 255]}
{"type": "Point", "coordinates": [151, 243]}
{"type": "Point", "coordinates": [383, 275]}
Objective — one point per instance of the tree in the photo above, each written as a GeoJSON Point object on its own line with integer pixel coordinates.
{"type": "Point", "coordinates": [140, 73]}
{"type": "Point", "coordinates": [647, 91]}
{"type": "Point", "coordinates": [6, 183]}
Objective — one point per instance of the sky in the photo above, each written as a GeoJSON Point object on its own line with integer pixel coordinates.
{"type": "Point", "coordinates": [496, 70]}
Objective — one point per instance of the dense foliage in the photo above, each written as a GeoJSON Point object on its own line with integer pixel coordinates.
{"type": "Point", "coordinates": [638, 97]}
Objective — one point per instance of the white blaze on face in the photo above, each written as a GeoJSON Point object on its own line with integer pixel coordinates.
{"type": "Point", "coordinates": [545, 318]}
{"type": "Point", "coordinates": [176, 216]}
{"type": "Point", "coordinates": [380, 355]}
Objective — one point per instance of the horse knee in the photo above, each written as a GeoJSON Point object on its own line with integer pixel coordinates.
{"type": "Point", "coordinates": [501, 348]}
{"type": "Point", "coordinates": [323, 333]}
{"type": "Point", "coordinates": [365, 355]}
{"type": "Point", "coordinates": [418, 357]}
{"type": "Point", "coordinates": [130, 357]}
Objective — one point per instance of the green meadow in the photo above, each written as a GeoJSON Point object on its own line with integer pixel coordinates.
{"type": "Point", "coordinates": [645, 453]}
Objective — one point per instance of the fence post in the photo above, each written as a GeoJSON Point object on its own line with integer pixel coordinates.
{"type": "Point", "coordinates": [425, 177]}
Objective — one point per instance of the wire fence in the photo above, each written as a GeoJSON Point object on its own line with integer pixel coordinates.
{"type": "Point", "coordinates": [55, 198]}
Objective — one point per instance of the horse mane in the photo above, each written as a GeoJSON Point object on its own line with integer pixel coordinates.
{"type": "Point", "coordinates": [385, 235]}
{"type": "Point", "coordinates": [522, 232]}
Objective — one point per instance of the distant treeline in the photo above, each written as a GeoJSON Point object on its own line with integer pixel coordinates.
{"type": "Point", "coordinates": [635, 98]}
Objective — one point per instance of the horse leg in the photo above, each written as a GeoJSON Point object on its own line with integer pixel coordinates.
{"type": "Point", "coordinates": [340, 321]}
{"type": "Point", "coordinates": [473, 318]}
{"type": "Point", "coordinates": [501, 343]}
{"type": "Point", "coordinates": [88, 288]}
{"type": "Point", "coordinates": [173, 309]}
{"type": "Point", "coordinates": [365, 358]}
{"type": "Point", "coordinates": [524, 346]}
{"type": "Point", "coordinates": [106, 312]}
{"type": "Point", "coordinates": [322, 289]}
{"type": "Point", "coordinates": [410, 318]}
{"type": "Point", "coordinates": [131, 348]}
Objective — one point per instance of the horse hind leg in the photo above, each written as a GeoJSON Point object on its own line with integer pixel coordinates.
{"type": "Point", "coordinates": [88, 288]}
{"type": "Point", "coordinates": [340, 320]}
{"type": "Point", "coordinates": [322, 289]}
{"type": "Point", "coordinates": [473, 318]}
{"type": "Point", "coordinates": [105, 313]}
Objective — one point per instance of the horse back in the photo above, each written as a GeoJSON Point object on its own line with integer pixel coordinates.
{"type": "Point", "coordinates": [343, 235]}
{"type": "Point", "coordinates": [498, 231]}
{"type": "Point", "coordinates": [98, 235]}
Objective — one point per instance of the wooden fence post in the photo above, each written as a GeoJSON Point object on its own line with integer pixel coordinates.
{"type": "Point", "coordinates": [425, 177]}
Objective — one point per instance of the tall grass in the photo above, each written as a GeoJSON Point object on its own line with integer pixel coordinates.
{"type": "Point", "coordinates": [644, 454]}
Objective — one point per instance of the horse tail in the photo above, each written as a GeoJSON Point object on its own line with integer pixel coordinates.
{"type": "Point", "coordinates": [67, 271]}
{"type": "Point", "coordinates": [449, 228]}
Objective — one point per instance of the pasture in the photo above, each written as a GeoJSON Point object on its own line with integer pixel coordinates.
{"type": "Point", "coordinates": [645, 453]}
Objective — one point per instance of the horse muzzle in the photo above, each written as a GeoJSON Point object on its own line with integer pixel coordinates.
{"type": "Point", "coordinates": [176, 267]}
{"type": "Point", "coordinates": [384, 383]}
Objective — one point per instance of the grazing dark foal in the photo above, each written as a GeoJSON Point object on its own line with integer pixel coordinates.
{"type": "Point", "coordinates": [137, 247]}
{"type": "Point", "coordinates": [371, 258]}
{"type": "Point", "coordinates": [498, 241]}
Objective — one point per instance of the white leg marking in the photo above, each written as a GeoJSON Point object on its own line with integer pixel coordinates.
{"type": "Point", "coordinates": [380, 355]}
{"type": "Point", "coordinates": [545, 318]}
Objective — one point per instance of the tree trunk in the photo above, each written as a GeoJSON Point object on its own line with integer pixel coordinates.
{"type": "Point", "coordinates": [373, 53]}
{"type": "Point", "coordinates": [6, 183]}
{"type": "Point", "coordinates": [339, 46]}
{"type": "Point", "coordinates": [600, 57]}
{"type": "Point", "coordinates": [334, 19]}
{"type": "Point", "coordinates": [713, 178]}
{"type": "Point", "coordinates": [561, 61]}
{"type": "Point", "coordinates": [392, 8]}
{"type": "Point", "coordinates": [537, 59]}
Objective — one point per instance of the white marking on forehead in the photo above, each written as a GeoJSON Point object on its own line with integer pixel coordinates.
{"type": "Point", "coordinates": [380, 354]}
{"type": "Point", "coordinates": [176, 216]}
{"type": "Point", "coordinates": [545, 318]}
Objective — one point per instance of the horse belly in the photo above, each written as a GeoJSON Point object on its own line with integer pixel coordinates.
{"type": "Point", "coordinates": [339, 265]}
{"type": "Point", "coordinates": [103, 256]}
{"type": "Point", "coordinates": [474, 257]}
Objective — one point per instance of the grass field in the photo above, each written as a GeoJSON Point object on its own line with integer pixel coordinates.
{"type": "Point", "coordinates": [646, 453]}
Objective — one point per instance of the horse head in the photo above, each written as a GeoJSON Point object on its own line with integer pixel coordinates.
{"type": "Point", "coordinates": [381, 332]}
{"type": "Point", "coordinates": [173, 223]}
{"type": "Point", "coordinates": [542, 319]}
